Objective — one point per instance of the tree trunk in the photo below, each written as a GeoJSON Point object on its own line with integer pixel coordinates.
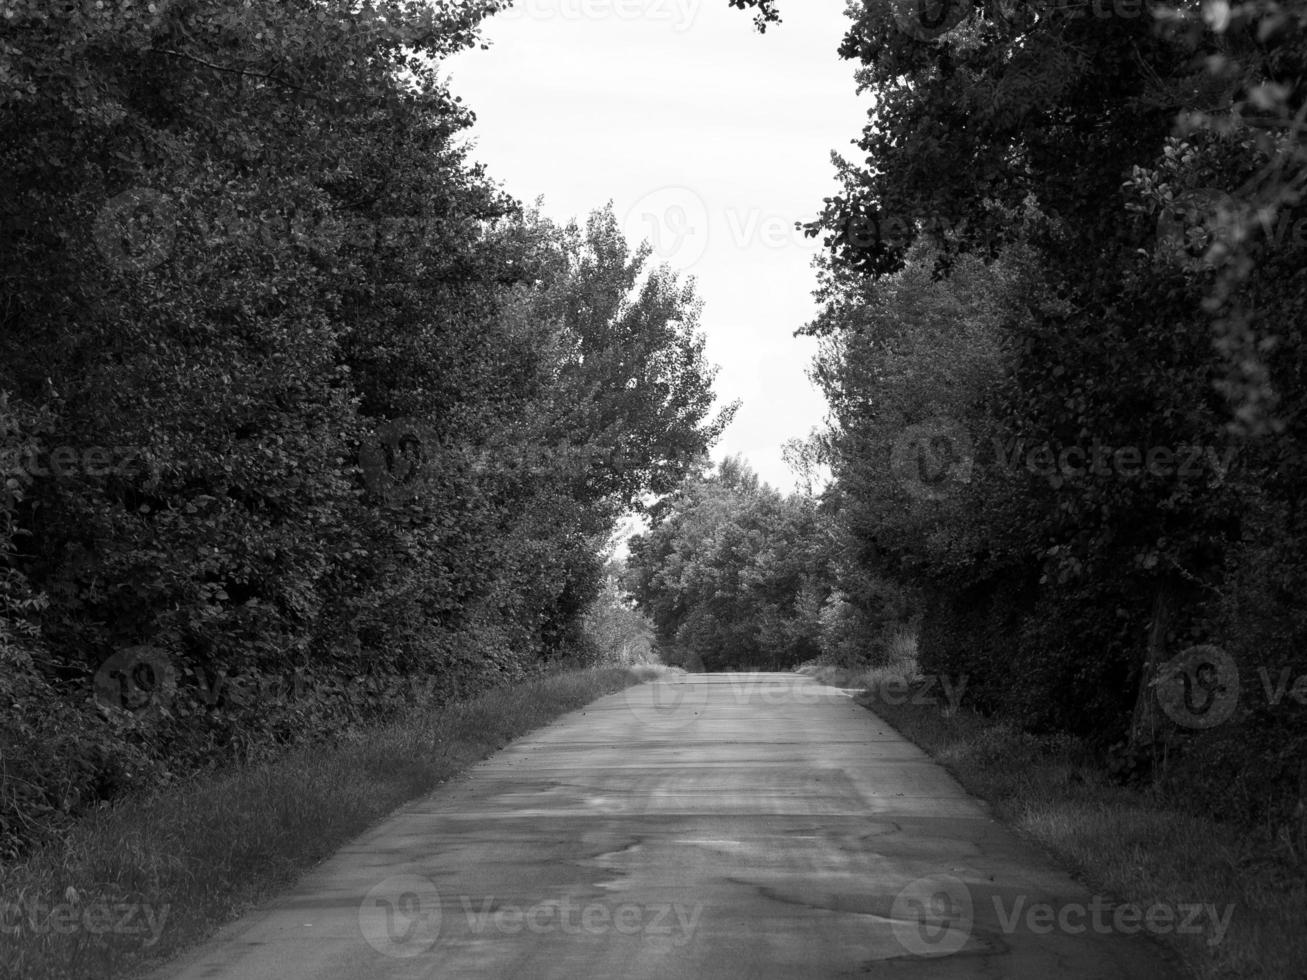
{"type": "Point", "coordinates": [1143, 725]}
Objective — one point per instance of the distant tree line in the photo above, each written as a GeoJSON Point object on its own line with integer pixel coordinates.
{"type": "Point", "coordinates": [737, 575]}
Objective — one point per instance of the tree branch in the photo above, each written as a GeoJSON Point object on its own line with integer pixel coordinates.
{"type": "Point", "coordinates": [235, 71]}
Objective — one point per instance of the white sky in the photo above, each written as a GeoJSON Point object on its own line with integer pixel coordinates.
{"type": "Point", "coordinates": [710, 139]}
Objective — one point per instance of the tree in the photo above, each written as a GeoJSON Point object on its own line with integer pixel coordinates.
{"type": "Point", "coordinates": [1138, 180]}
{"type": "Point", "coordinates": [732, 573]}
{"type": "Point", "coordinates": [290, 390]}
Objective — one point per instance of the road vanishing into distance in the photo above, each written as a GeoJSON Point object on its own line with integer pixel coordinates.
{"type": "Point", "coordinates": [700, 826]}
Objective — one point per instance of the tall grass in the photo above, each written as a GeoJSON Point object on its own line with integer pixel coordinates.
{"type": "Point", "coordinates": [203, 852]}
{"type": "Point", "coordinates": [1123, 842]}
{"type": "Point", "coordinates": [899, 666]}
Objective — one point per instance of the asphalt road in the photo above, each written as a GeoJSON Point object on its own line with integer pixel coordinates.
{"type": "Point", "coordinates": [712, 825]}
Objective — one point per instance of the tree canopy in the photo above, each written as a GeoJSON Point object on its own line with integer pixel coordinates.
{"type": "Point", "coordinates": [1061, 341]}
{"type": "Point", "coordinates": [292, 395]}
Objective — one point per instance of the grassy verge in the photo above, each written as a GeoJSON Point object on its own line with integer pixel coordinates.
{"type": "Point", "coordinates": [1120, 842]}
{"type": "Point", "coordinates": [138, 883]}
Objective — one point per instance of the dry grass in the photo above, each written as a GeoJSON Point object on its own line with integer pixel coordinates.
{"type": "Point", "coordinates": [202, 853]}
{"type": "Point", "coordinates": [1121, 842]}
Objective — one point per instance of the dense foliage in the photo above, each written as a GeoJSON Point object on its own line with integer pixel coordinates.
{"type": "Point", "coordinates": [299, 413]}
{"type": "Point", "coordinates": [737, 575]}
{"type": "Point", "coordinates": [1063, 305]}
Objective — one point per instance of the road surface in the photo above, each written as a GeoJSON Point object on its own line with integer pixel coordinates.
{"type": "Point", "coordinates": [703, 826]}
